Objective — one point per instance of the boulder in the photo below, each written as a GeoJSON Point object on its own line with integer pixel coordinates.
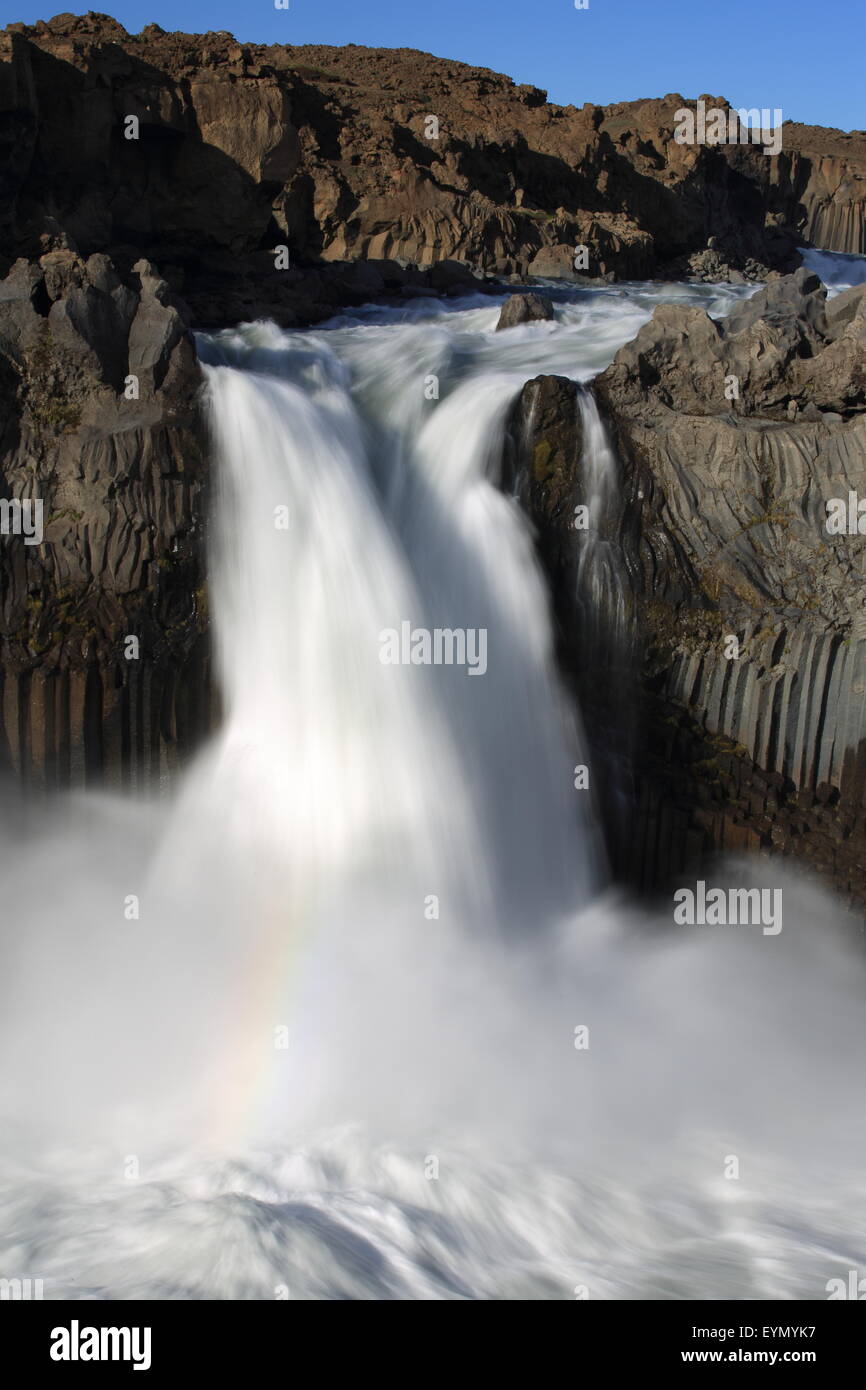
{"type": "Point", "coordinates": [524, 308]}
{"type": "Point", "coordinates": [784, 349]}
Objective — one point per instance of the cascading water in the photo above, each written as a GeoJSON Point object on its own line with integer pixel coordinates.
{"type": "Point", "coordinates": [341, 1041]}
{"type": "Point", "coordinates": [385, 768]}
{"type": "Point", "coordinates": [601, 576]}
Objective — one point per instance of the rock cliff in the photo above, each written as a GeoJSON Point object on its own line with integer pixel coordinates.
{"type": "Point", "coordinates": [818, 186]}
{"type": "Point", "coordinates": [745, 604]}
{"type": "Point", "coordinates": [204, 155]}
{"type": "Point", "coordinates": [104, 655]}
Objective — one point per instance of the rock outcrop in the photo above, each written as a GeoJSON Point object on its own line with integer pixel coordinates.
{"type": "Point", "coordinates": [818, 186]}
{"type": "Point", "coordinates": [371, 168]}
{"type": "Point", "coordinates": [745, 601]}
{"type": "Point", "coordinates": [104, 657]}
{"type": "Point", "coordinates": [783, 352]}
{"type": "Point", "coordinates": [524, 308]}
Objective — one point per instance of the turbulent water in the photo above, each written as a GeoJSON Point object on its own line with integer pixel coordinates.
{"type": "Point", "coordinates": [379, 1029]}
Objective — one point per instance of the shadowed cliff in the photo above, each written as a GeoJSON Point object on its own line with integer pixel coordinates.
{"type": "Point", "coordinates": [392, 157]}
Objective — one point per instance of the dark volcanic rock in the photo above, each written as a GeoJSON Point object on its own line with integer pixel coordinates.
{"type": "Point", "coordinates": [524, 308]}
{"type": "Point", "coordinates": [749, 633]}
{"type": "Point", "coordinates": [100, 425]}
{"type": "Point", "coordinates": [206, 155]}
{"type": "Point", "coordinates": [544, 447]}
{"type": "Point", "coordinates": [777, 353]}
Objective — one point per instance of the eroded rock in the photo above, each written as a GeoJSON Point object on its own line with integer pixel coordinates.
{"type": "Point", "coordinates": [524, 308]}
{"type": "Point", "coordinates": [778, 349]}
{"type": "Point", "coordinates": [100, 424]}
{"type": "Point", "coordinates": [749, 728]}
{"type": "Point", "coordinates": [204, 155]}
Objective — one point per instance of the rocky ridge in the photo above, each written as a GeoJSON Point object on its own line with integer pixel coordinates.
{"type": "Point", "coordinates": [375, 169]}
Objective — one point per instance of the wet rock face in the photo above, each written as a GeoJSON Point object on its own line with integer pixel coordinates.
{"type": "Point", "coordinates": [544, 443]}
{"type": "Point", "coordinates": [737, 542]}
{"type": "Point", "coordinates": [750, 640]}
{"type": "Point", "coordinates": [103, 658]}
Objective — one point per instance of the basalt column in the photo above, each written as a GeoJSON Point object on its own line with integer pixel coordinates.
{"type": "Point", "coordinates": [104, 654]}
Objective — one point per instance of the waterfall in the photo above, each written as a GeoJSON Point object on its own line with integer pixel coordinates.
{"type": "Point", "coordinates": [351, 762]}
{"type": "Point", "coordinates": [601, 579]}
{"type": "Point", "coordinates": [356, 1004]}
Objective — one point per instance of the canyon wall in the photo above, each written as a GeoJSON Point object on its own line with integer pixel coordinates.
{"type": "Point", "coordinates": [104, 669]}
{"type": "Point", "coordinates": [744, 610]}
{"type": "Point", "coordinates": [388, 173]}
{"type": "Point", "coordinates": [818, 186]}
{"type": "Point", "coordinates": [204, 155]}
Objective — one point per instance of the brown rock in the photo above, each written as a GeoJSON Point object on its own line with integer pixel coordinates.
{"type": "Point", "coordinates": [346, 154]}
{"type": "Point", "coordinates": [524, 308]}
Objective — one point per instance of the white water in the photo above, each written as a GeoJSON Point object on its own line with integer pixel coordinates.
{"type": "Point", "coordinates": [430, 1131]}
{"type": "Point", "coordinates": [601, 574]}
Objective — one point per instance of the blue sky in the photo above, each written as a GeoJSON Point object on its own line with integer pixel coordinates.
{"type": "Point", "coordinates": [800, 55]}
